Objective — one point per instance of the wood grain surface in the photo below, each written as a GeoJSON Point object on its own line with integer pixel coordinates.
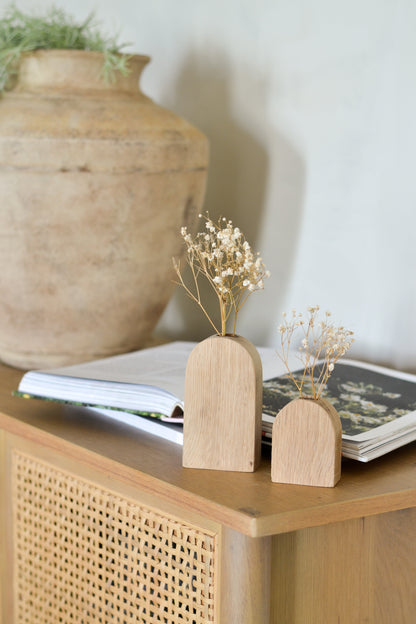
{"type": "Point", "coordinates": [358, 571]}
{"type": "Point", "coordinates": [223, 400]}
{"type": "Point", "coordinates": [306, 444]}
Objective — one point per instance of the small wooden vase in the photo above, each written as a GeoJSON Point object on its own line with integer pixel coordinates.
{"type": "Point", "coordinates": [306, 444]}
{"type": "Point", "coordinates": [223, 401]}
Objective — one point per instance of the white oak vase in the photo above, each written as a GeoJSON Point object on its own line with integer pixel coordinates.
{"type": "Point", "coordinates": [306, 444]}
{"type": "Point", "coordinates": [223, 401]}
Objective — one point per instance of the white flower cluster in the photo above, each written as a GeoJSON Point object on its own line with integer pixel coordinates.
{"type": "Point", "coordinates": [322, 344]}
{"type": "Point", "coordinates": [226, 257]}
{"type": "Point", "coordinates": [227, 261]}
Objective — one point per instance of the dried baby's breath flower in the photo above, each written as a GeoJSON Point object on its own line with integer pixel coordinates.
{"type": "Point", "coordinates": [322, 343]}
{"type": "Point", "coordinates": [222, 256]}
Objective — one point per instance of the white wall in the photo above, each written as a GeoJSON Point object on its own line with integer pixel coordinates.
{"type": "Point", "coordinates": [310, 109]}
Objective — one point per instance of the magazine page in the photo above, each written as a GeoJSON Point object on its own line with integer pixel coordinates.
{"type": "Point", "coordinates": [372, 402]}
{"type": "Point", "coordinates": [149, 380]}
{"type": "Point", "coordinates": [148, 372]}
{"type": "Point", "coordinates": [162, 367]}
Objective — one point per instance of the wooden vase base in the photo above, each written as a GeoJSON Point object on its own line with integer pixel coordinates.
{"type": "Point", "coordinates": [223, 400]}
{"type": "Point", "coordinates": [306, 444]}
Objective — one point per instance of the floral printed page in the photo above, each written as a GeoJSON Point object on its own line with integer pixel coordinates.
{"type": "Point", "coordinates": [366, 398]}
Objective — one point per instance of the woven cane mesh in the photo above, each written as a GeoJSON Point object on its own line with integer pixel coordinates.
{"type": "Point", "coordinates": [85, 554]}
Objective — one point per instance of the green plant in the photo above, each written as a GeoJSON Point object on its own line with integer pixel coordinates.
{"type": "Point", "coordinates": [225, 259]}
{"type": "Point", "coordinates": [21, 32]}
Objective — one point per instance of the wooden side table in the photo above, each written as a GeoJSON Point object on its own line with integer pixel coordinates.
{"type": "Point", "coordinates": [100, 523]}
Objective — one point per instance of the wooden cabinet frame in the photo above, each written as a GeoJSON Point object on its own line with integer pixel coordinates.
{"type": "Point", "coordinates": [266, 552]}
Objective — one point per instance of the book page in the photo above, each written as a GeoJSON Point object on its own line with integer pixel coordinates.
{"type": "Point", "coordinates": [161, 367]}
{"type": "Point", "coordinates": [372, 402]}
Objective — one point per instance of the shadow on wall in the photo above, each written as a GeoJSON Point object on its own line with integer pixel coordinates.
{"type": "Point", "coordinates": [237, 179]}
{"type": "Point", "coordinates": [281, 237]}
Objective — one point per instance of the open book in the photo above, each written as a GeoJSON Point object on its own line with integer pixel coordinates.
{"type": "Point", "coordinates": [377, 406]}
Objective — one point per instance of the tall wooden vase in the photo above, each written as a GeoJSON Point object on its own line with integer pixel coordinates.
{"type": "Point", "coordinates": [306, 444]}
{"type": "Point", "coordinates": [223, 400]}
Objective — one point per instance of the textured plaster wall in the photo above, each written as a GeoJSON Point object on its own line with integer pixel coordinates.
{"type": "Point", "coordinates": [310, 110]}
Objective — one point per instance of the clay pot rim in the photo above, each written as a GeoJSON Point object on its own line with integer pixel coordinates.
{"type": "Point", "coordinates": [79, 70]}
{"type": "Point", "coordinates": [81, 53]}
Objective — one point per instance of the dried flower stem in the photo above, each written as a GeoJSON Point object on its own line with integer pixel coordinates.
{"type": "Point", "coordinates": [197, 297]}
{"type": "Point", "coordinates": [224, 258]}
{"type": "Point", "coordinates": [321, 342]}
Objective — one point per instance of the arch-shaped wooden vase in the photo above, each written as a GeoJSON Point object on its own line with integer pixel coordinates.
{"type": "Point", "coordinates": [223, 400]}
{"type": "Point", "coordinates": [306, 444]}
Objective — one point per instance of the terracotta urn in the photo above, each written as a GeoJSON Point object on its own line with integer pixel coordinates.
{"type": "Point", "coordinates": [95, 181]}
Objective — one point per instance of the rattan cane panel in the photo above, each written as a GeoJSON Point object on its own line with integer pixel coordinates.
{"type": "Point", "coordinates": [85, 554]}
